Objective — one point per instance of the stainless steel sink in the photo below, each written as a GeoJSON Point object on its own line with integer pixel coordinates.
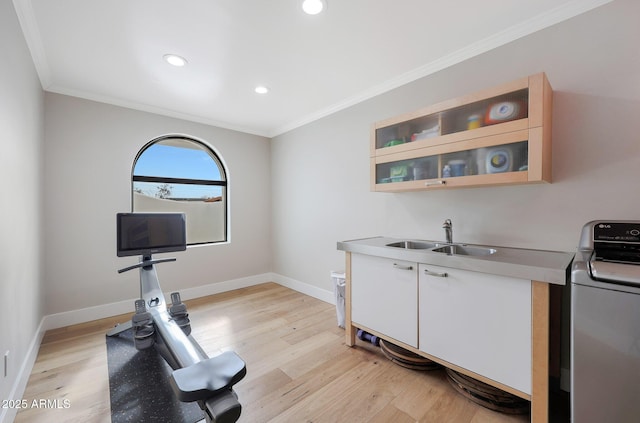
{"type": "Point", "coordinates": [414, 245]}
{"type": "Point", "coordinates": [465, 250]}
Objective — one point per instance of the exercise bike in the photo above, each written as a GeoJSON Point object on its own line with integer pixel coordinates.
{"type": "Point", "coordinates": [195, 376]}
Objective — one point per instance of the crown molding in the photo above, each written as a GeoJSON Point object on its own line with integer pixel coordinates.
{"type": "Point", "coordinates": [28, 22]}
{"type": "Point", "coordinates": [534, 24]}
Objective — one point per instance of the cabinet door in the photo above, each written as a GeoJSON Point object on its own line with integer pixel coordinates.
{"type": "Point", "coordinates": [477, 321]}
{"type": "Point", "coordinates": [384, 296]}
{"type": "Point", "coordinates": [498, 159]}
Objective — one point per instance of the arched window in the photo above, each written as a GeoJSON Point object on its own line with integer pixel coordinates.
{"type": "Point", "coordinates": [179, 174]}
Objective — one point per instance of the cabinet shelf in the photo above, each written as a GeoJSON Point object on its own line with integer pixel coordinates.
{"type": "Point", "coordinates": [494, 137]}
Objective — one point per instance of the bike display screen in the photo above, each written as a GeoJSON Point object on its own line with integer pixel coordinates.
{"type": "Point", "coordinates": [149, 233]}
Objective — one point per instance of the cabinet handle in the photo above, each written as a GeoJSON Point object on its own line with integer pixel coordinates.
{"type": "Point", "coordinates": [401, 267]}
{"type": "Point", "coordinates": [434, 183]}
{"type": "Point", "coordinates": [440, 275]}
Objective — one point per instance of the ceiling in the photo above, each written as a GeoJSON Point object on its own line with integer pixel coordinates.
{"type": "Point", "coordinates": [112, 51]}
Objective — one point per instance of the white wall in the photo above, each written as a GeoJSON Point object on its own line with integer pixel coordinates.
{"type": "Point", "coordinates": [320, 172]}
{"type": "Point", "coordinates": [90, 148]}
{"type": "Point", "coordinates": [21, 129]}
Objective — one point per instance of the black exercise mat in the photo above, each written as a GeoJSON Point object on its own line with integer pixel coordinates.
{"type": "Point", "coordinates": [139, 386]}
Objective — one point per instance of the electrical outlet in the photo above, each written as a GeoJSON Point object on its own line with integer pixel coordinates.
{"type": "Point", "coordinates": [6, 363]}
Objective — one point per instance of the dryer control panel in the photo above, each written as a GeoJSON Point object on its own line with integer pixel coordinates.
{"type": "Point", "coordinates": [614, 251]}
{"type": "Point", "coordinates": [616, 232]}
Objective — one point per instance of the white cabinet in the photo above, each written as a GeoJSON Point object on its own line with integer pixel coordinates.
{"type": "Point", "coordinates": [384, 297]}
{"type": "Point", "coordinates": [477, 321]}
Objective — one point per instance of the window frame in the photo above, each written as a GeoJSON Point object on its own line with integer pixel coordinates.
{"type": "Point", "coordinates": [224, 182]}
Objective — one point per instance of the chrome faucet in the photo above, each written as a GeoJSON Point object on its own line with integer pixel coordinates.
{"type": "Point", "coordinates": [448, 230]}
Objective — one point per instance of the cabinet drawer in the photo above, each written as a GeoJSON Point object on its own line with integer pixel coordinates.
{"type": "Point", "coordinates": [384, 296]}
{"type": "Point", "coordinates": [477, 321]}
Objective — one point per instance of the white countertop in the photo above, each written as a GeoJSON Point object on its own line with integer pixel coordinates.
{"type": "Point", "coordinates": [538, 265]}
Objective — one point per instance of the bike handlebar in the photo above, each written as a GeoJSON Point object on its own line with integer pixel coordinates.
{"type": "Point", "coordinates": [146, 263]}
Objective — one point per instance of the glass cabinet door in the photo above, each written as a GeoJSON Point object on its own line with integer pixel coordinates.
{"type": "Point", "coordinates": [487, 112]}
{"type": "Point", "coordinates": [512, 157]}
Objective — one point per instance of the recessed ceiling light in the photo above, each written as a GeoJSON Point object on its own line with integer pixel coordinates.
{"type": "Point", "coordinates": [261, 89]}
{"type": "Point", "coordinates": [175, 60]}
{"type": "Point", "coordinates": [313, 7]}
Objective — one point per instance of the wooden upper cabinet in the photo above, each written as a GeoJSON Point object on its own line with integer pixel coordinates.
{"type": "Point", "coordinates": [497, 136]}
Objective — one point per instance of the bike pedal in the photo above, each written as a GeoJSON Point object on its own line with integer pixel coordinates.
{"type": "Point", "coordinates": [178, 312]}
{"type": "Point", "coordinates": [143, 327]}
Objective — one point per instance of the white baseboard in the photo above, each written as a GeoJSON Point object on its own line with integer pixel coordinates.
{"type": "Point", "coordinates": [73, 317]}
{"type": "Point", "coordinates": [8, 415]}
{"type": "Point", "coordinates": [305, 288]}
{"type": "Point", "coordinates": [217, 288]}
{"type": "Point", "coordinates": [67, 318]}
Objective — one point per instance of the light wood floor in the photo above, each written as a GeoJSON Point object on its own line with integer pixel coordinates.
{"type": "Point", "coordinates": [299, 369]}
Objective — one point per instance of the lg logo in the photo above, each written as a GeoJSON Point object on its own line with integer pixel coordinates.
{"type": "Point", "coordinates": [603, 226]}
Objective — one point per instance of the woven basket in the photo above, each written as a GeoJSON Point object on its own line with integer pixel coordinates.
{"type": "Point", "coordinates": [406, 358]}
{"type": "Point", "coordinates": [486, 395]}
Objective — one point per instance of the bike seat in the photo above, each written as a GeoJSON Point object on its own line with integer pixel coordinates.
{"type": "Point", "coordinates": [208, 377]}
